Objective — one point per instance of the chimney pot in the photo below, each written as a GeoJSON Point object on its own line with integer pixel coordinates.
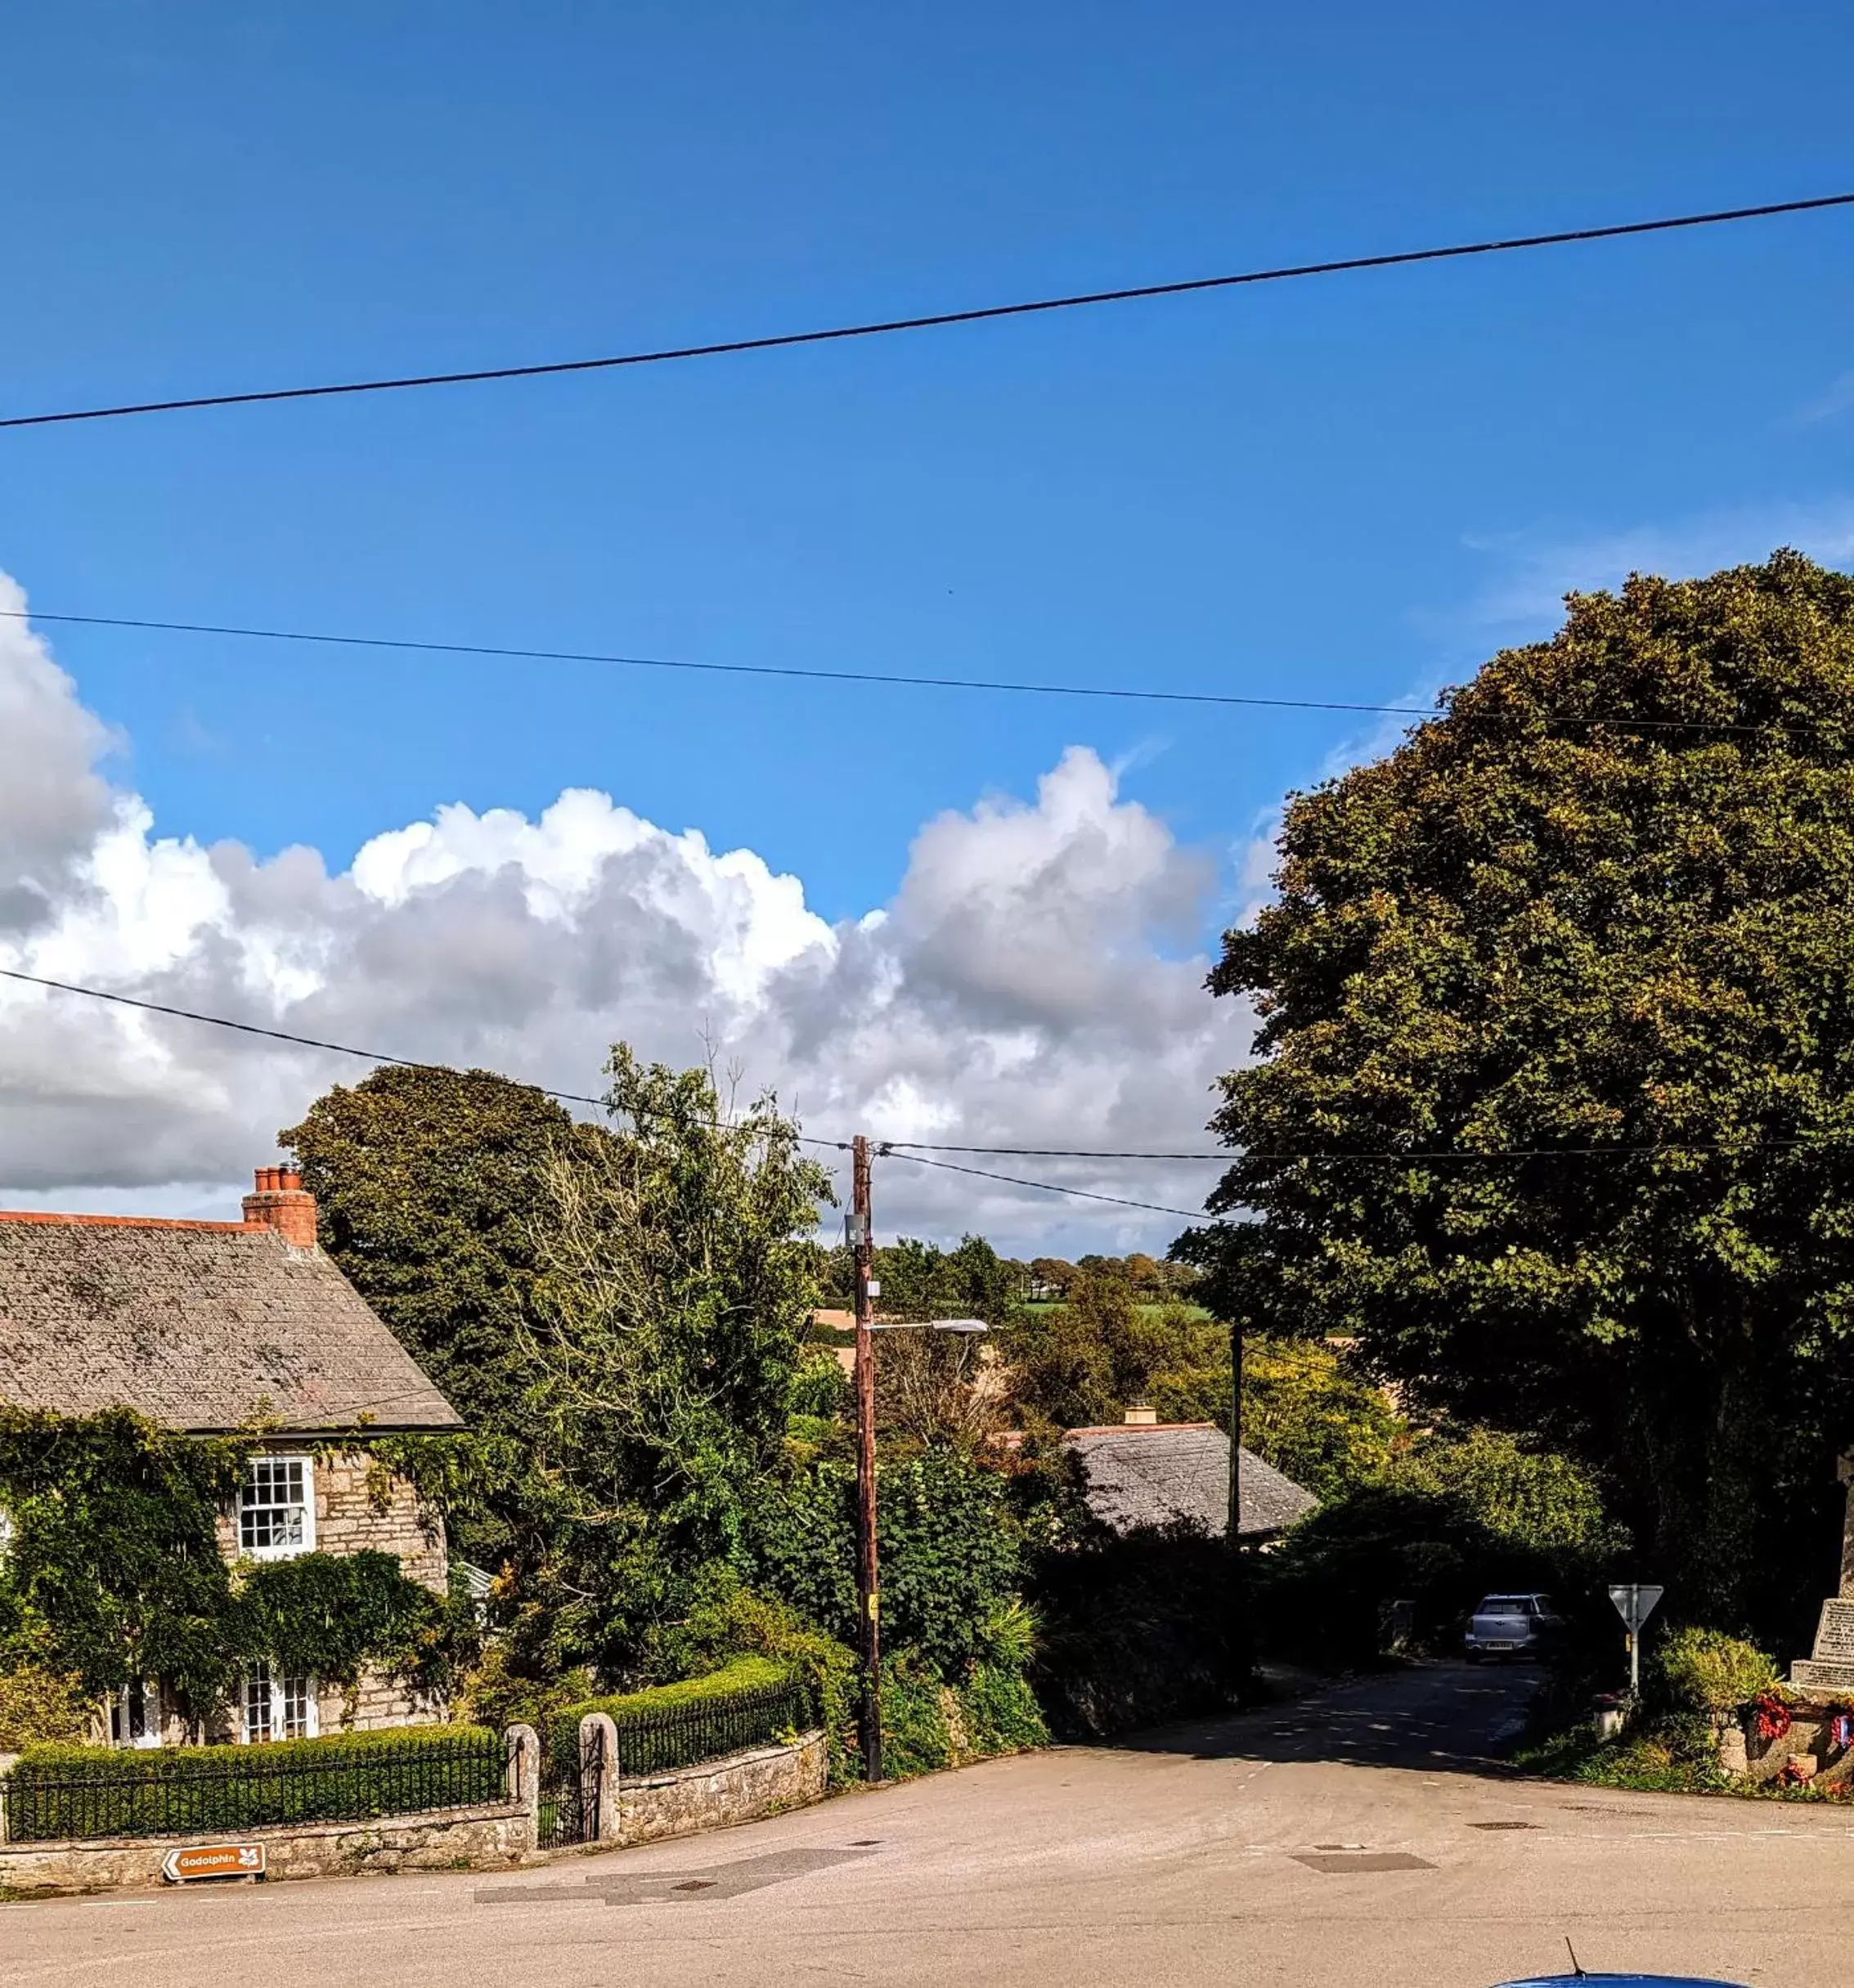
{"type": "Point", "coordinates": [280, 1202]}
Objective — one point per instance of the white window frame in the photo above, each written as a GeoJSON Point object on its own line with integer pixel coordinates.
{"type": "Point", "coordinates": [261, 1470]}
{"type": "Point", "coordinates": [261, 1692]}
{"type": "Point", "coordinates": [116, 1717]}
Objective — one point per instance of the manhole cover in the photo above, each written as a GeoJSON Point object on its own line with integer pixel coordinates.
{"type": "Point", "coordinates": [1502, 1825]}
{"type": "Point", "coordinates": [1335, 1863]}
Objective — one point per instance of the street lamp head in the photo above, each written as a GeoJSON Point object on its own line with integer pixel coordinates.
{"type": "Point", "coordinates": [959, 1325]}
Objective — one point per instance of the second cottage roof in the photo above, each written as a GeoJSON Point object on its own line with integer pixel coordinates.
{"type": "Point", "coordinates": [1151, 1474]}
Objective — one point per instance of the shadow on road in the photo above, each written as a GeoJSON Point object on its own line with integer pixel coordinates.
{"type": "Point", "coordinates": [1439, 1717]}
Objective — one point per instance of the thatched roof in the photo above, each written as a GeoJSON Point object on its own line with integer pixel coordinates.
{"type": "Point", "coordinates": [1160, 1473]}
{"type": "Point", "coordinates": [200, 1326]}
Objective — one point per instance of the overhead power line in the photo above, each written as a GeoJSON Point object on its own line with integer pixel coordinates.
{"type": "Point", "coordinates": [1122, 693]}
{"type": "Point", "coordinates": [399, 1062]}
{"type": "Point", "coordinates": [918, 1151]}
{"type": "Point", "coordinates": [939, 319]}
{"type": "Point", "coordinates": [1047, 1187]}
{"type": "Point", "coordinates": [275, 1035]}
{"type": "Point", "coordinates": [904, 1147]}
{"type": "Point", "coordinates": [713, 669]}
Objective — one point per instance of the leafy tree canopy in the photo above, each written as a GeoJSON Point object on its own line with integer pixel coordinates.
{"type": "Point", "coordinates": [426, 1183]}
{"type": "Point", "coordinates": [1600, 910]}
{"type": "Point", "coordinates": [1086, 1360]}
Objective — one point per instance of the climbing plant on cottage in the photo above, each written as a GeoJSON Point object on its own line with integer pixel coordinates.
{"type": "Point", "coordinates": [113, 1575]}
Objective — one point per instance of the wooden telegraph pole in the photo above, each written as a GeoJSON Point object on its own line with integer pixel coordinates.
{"type": "Point", "coordinates": [868, 1585]}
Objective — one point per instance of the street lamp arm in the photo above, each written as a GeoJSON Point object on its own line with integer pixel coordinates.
{"type": "Point", "coordinates": [928, 1325]}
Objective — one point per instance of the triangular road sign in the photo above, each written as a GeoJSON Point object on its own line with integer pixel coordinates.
{"type": "Point", "coordinates": [1634, 1604]}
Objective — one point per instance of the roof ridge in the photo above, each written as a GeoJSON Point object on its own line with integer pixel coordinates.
{"type": "Point", "coordinates": [1138, 1429]}
{"type": "Point", "coordinates": [23, 1214]}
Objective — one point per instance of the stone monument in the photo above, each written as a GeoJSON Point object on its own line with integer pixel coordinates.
{"type": "Point", "coordinates": [1829, 1667]}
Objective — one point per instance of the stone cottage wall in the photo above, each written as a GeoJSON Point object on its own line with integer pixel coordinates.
{"type": "Point", "coordinates": [360, 1509]}
{"type": "Point", "coordinates": [377, 1701]}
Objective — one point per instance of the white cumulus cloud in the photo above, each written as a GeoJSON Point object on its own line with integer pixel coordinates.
{"type": "Point", "coordinates": [1034, 980]}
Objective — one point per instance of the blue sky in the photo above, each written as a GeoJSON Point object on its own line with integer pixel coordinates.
{"type": "Point", "coordinates": [1353, 487]}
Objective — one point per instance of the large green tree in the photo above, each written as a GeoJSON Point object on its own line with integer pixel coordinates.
{"type": "Point", "coordinates": [427, 1182]}
{"type": "Point", "coordinates": [674, 1290]}
{"type": "Point", "coordinates": [1553, 1105]}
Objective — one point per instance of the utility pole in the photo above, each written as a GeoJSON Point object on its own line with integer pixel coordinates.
{"type": "Point", "coordinates": [862, 1245]}
{"type": "Point", "coordinates": [1233, 1534]}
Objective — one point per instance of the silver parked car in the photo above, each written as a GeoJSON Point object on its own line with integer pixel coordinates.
{"type": "Point", "coordinates": [1512, 1626]}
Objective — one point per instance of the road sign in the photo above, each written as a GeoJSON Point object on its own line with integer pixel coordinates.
{"type": "Point", "coordinates": [213, 1860]}
{"type": "Point", "coordinates": [1634, 1604]}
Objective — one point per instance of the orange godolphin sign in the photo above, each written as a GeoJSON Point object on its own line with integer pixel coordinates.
{"type": "Point", "coordinates": [214, 1860]}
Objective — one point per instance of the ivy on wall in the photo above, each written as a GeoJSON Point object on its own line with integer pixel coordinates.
{"type": "Point", "coordinates": [113, 1573]}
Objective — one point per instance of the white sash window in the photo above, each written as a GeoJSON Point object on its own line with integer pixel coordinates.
{"type": "Point", "coordinates": [276, 1507]}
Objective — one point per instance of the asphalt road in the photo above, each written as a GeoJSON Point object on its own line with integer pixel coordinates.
{"type": "Point", "coordinates": [1369, 1838]}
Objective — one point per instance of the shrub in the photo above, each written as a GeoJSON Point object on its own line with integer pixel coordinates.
{"type": "Point", "coordinates": [820, 1388]}
{"type": "Point", "coordinates": [79, 1791]}
{"type": "Point", "coordinates": [949, 1543]}
{"type": "Point", "coordinates": [1000, 1710]}
{"type": "Point", "coordinates": [1138, 1630]}
{"type": "Point", "coordinates": [915, 1737]}
{"type": "Point", "coordinates": [1706, 1671]}
{"type": "Point", "coordinates": [732, 1620]}
{"type": "Point", "coordinates": [38, 1704]}
{"type": "Point", "coordinates": [499, 1691]}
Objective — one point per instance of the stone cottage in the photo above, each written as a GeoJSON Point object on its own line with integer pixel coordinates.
{"type": "Point", "coordinates": [1144, 1472]}
{"type": "Point", "coordinates": [212, 1327]}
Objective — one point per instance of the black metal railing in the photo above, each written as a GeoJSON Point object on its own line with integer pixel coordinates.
{"type": "Point", "coordinates": [196, 1793]}
{"type": "Point", "coordinates": [650, 1741]}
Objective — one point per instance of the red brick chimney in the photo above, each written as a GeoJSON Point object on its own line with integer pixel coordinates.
{"type": "Point", "coordinates": [282, 1203]}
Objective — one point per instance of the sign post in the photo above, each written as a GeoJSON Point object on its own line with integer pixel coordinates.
{"type": "Point", "coordinates": [1634, 1604]}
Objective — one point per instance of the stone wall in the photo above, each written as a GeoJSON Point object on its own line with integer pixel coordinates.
{"type": "Point", "coordinates": [377, 1701]}
{"type": "Point", "coordinates": [714, 1793]}
{"type": "Point", "coordinates": [449, 1839]}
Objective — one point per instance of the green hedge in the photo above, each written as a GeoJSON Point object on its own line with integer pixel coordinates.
{"type": "Point", "coordinates": [59, 1791]}
{"type": "Point", "coordinates": [748, 1703]}
{"type": "Point", "coordinates": [927, 1724]}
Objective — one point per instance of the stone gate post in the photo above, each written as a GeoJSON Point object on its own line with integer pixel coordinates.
{"type": "Point", "coordinates": [523, 1745]}
{"type": "Point", "coordinates": [598, 1776]}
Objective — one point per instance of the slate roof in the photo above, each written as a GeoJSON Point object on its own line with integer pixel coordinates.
{"type": "Point", "coordinates": [1156, 1475]}
{"type": "Point", "coordinates": [198, 1325]}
